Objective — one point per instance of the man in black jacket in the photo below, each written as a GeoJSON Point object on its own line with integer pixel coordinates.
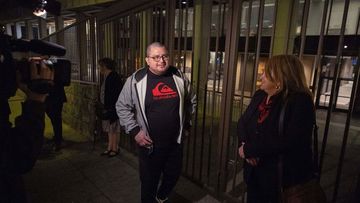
{"type": "Point", "coordinates": [20, 145]}
{"type": "Point", "coordinates": [54, 105]}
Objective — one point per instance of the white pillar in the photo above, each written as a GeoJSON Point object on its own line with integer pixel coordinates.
{"type": "Point", "coordinates": [8, 29]}
{"type": "Point", "coordinates": [42, 28]}
{"type": "Point", "coordinates": [18, 30]}
{"type": "Point", "coordinates": [29, 31]}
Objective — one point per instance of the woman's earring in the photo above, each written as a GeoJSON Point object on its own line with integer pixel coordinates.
{"type": "Point", "coordinates": [277, 87]}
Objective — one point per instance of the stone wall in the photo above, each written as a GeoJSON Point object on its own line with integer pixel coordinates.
{"type": "Point", "coordinates": [79, 110]}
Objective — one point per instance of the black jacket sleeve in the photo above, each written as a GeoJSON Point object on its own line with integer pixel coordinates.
{"type": "Point", "coordinates": [242, 131]}
{"type": "Point", "coordinates": [22, 143]}
{"type": "Point", "coordinates": [298, 124]}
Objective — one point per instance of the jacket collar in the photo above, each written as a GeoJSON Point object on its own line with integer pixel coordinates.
{"type": "Point", "coordinates": [140, 74]}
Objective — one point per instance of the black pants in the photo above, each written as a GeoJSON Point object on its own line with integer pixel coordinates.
{"type": "Point", "coordinates": [162, 161]}
{"type": "Point", "coordinates": [54, 111]}
{"type": "Point", "coordinates": [12, 189]}
{"type": "Point", "coordinates": [258, 191]}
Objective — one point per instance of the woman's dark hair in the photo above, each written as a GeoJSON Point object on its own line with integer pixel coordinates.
{"type": "Point", "coordinates": [107, 63]}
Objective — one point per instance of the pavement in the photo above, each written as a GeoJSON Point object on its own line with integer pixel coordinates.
{"type": "Point", "coordinates": [79, 174]}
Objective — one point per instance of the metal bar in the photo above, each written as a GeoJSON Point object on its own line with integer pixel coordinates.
{"type": "Point", "coordinates": [231, 47]}
{"type": "Point", "coordinates": [351, 106]}
{"type": "Point", "coordinates": [203, 65]}
{"type": "Point", "coordinates": [236, 149]}
{"type": "Point", "coordinates": [304, 27]}
{"type": "Point", "coordinates": [192, 70]}
{"type": "Point", "coordinates": [203, 127]}
{"type": "Point", "coordinates": [335, 82]}
{"type": "Point", "coordinates": [123, 46]}
{"type": "Point", "coordinates": [125, 8]}
{"type": "Point", "coordinates": [132, 41]}
{"type": "Point", "coordinates": [258, 43]}
{"type": "Point", "coordinates": [185, 37]}
{"type": "Point", "coordinates": [319, 51]}
{"type": "Point", "coordinates": [357, 190]}
{"type": "Point", "coordinates": [273, 29]}
{"type": "Point", "coordinates": [93, 48]}
{"type": "Point", "coordinates": [154, 24]}
{"type": "Point", "coordinates": [84, 82]}
{"type": "Point", "coordinates": [329, 18]}
{"type": "Point", "coordinates": [197, 90]}
{"type": "Point", "coordinates": [347, 126]}
{"type": "Point", "coordinates": [244, 65]}
{"type": "Point", "coordinates": [358, 23]}
{"type": "Point", "coordinates": [192, 79]}
{"type": "Point", "coordinates": [169, 26]}
{"type": "Point", "coordinates": [213, 96]}
{"type": "Point", "coordinates": [179, 33]}
{"type": "Point", "coordinates": [289, 31]}
{"type": "Point", "coordinates": [247, 40]}
{"type": "Point", "coordinates": [162, 23]}
{"type": "Point", "coordinates": [205, 87]}
{"type": "Point", "coordinates": [221, 56]}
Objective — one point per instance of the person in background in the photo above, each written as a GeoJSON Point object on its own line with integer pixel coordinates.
{"type": "Point", "coordinates": [109, 93]}
{"type": "Point", "coordinates": [260, 143]}
{"type": "Point", "coordinates": [20, 145]}
{"type": "Point", "coordinates": [54, 106]}
{"type": "Point", "coordinates": [155, 107]}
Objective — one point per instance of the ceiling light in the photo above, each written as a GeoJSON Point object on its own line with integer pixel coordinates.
{"type": "Point", "coordinates": [40, 9]}
{"type": "Point", "coordinates": [40, 13]}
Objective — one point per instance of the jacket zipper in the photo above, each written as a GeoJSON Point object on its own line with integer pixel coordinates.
{"type": "Point", "coordinates": [142, 115]}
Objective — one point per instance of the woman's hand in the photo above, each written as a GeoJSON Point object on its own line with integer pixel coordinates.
{"type": "Point", "coordinates": [241, 151]}
{"type": "Point", "coordinates": [251, 161]}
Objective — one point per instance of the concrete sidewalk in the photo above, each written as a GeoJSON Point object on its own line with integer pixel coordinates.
{"type": "Point", "coordinates": [79, 174]}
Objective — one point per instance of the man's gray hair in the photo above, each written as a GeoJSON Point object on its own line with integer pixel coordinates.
{"type": "Point", "coordinates": [152, 45]}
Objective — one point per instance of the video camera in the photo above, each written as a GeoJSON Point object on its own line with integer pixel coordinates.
{"type": "Point", "coordinates": [9, 65]}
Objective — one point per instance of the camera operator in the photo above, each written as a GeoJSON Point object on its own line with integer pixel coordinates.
{"type": "Point", "coordinates": [20, 145]}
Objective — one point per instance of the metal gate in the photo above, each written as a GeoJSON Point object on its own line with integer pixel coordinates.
{"type": "Point", "coordinates": [222, 45]}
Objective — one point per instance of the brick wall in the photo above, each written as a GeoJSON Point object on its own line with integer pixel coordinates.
{"type": "Point", "coordinates": [79, 110]}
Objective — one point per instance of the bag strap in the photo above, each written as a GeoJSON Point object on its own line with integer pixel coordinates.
{"type": "Point", "coordinates": [316, 150]}
{"type": "Point", "coordinates": [281, 134]}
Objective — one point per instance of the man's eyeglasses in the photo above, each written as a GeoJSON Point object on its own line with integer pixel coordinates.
{"type": "Point", "coordinates": [157, 58]}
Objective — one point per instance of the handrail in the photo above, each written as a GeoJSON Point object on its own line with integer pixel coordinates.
{"type": "Point", "coordinates": [67, 27]}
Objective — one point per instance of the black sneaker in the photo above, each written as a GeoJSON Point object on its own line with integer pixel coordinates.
{"type": "Point", "coordinates": [165, 200]}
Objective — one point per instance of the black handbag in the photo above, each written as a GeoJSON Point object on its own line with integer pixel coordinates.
{"type": "Point", "coordinates": [310, 191]}
{"type": "Point", "coordinates": [103, 113]}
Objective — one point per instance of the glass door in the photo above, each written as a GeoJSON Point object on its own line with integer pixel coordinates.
{"type": "Point", "coordinates": [344, 83]}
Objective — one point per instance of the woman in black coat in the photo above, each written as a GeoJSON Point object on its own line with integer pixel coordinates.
{"type": "Point", "coordinates": [258, 129]}
{"type": "Point", "coordinates": [109, 93]}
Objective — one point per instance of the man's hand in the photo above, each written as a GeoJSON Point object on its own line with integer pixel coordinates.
{"type": "Point", "coordinates": [142, 139]}
{"type": "Point", "coordinates": [43, 73]}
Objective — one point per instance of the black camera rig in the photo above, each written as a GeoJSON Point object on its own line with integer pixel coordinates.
{"type": "Point", "coordinates": [9, 65]}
